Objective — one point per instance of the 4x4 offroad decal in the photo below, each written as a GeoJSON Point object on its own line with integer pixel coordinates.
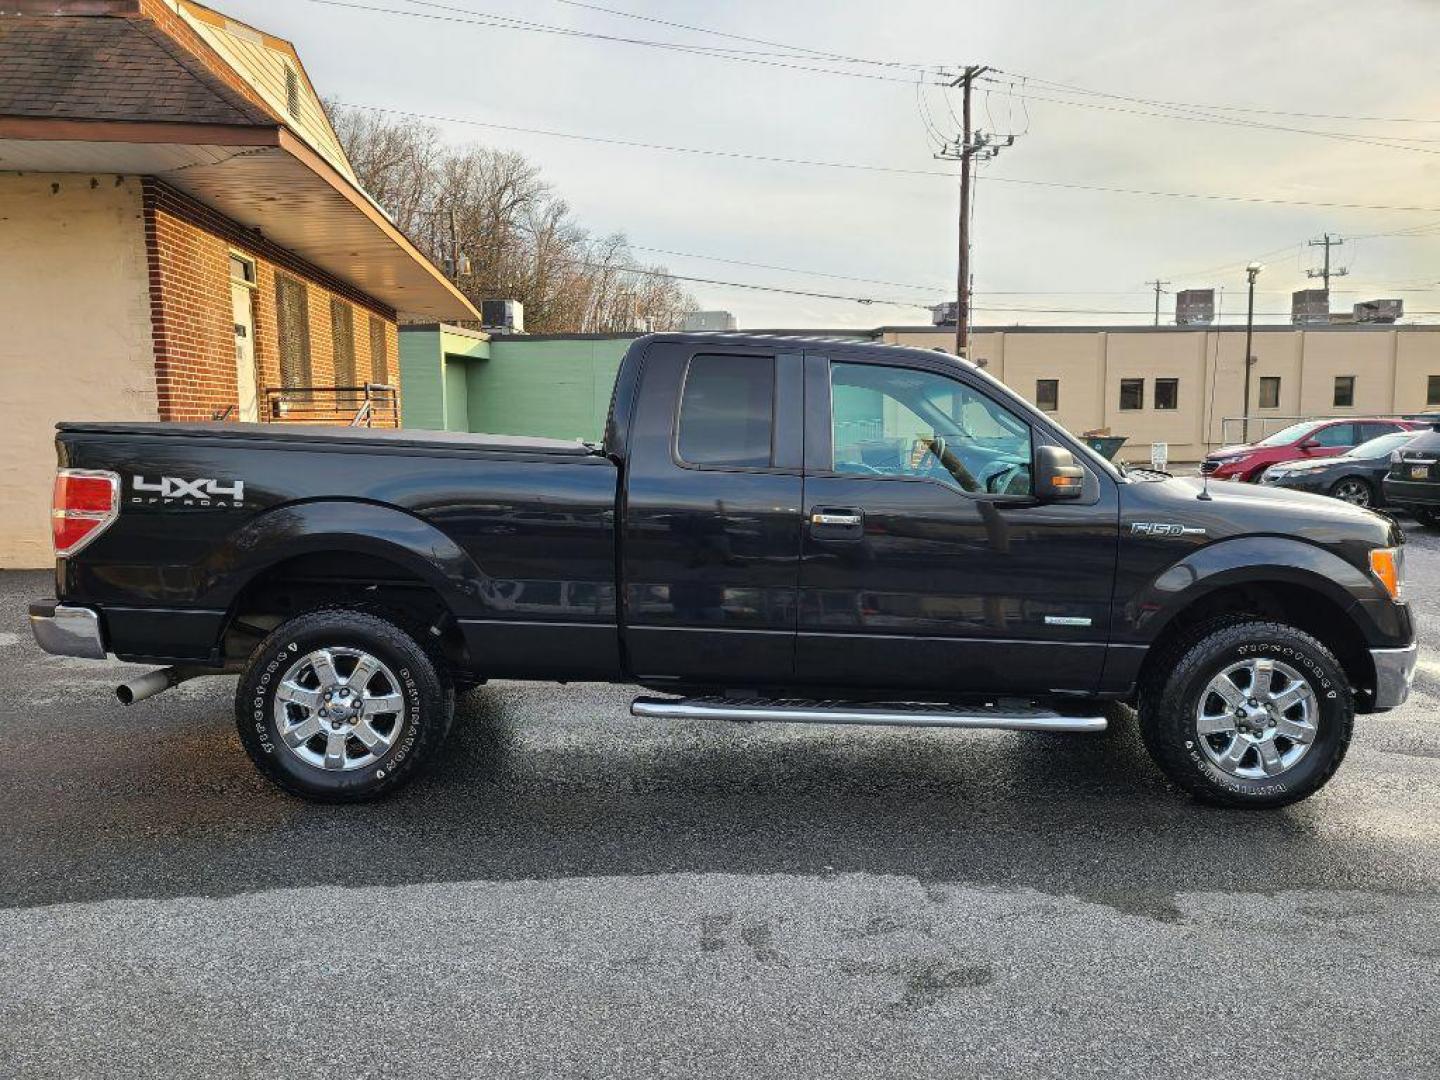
{"type": "Point", "coordinates": [176, 491]}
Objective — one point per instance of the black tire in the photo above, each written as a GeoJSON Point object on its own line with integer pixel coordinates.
{"type": "Point", "coordinates": [1427, 516]}
{"type": "Point", "coordinates": [414, 734]}
{"type": "Point", "coordinates": [1172, 698]}
{"type": "Point", "coordinates": [1355, 490]}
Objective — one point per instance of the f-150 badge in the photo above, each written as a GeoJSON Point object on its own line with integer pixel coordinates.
{"type": "Point", "coordinates": [175, 491]}
{"type": "Point", "coordinates": [1164, 528]}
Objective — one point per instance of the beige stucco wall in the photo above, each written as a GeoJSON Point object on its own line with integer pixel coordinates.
{"type": "Point", "coordinates": [1391, 365]}
{"type": "Point", "coordinates": [74, 332]}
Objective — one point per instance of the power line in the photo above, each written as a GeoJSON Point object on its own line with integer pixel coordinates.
{"type": "Point", "coordinates": [1210, 118]}
{"type": "Point", "coordinates": [737, 154]}
{"type": "Point", "coordinates": [870, 300]}
{"type": "Point", "coordinates": [941, 289]}
{"type": "Point", "coordinates": [747, 285]}
{"type": "Point", "coordinates": [799, 49]}
{"type": "Point", "coordinates": [1221, 108]}
{"type": "Point", "coordinates": [862, 167]}
{"type": "Point", "coordinates": [787, 269]}
{"type": "Point", "coordinates": [469, 17]}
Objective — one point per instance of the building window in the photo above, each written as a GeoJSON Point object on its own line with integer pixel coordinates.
{"type": "Point", "coordinates": [292, 324]}
{"type": "Point", "coordinates": [1167, 393]}
{"type": "Point", "coordinates": [1132, 393]}
{"type": "Point", "coordinates": [1432, 391]}
{"type": "Point", "coordinates": [1269, 391]}
{"type": "Point", "coordinates": [1344, 391]}
{"type": "Point", "coordinates": [242, 270]}
{"type": "Point", "coordinates": [1047, 394]}
{"type": "Point", "coordinates": [342, 338]}
{"type": "Point", "coordinates": [379, 352]}
{"type": "Point", "coordinates": [292, 92]}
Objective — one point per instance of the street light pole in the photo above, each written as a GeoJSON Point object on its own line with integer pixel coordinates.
{"type": "Point", "coordinates": [1251, 273]}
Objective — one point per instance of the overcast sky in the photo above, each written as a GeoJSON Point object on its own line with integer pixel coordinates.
{"type": "Point", "coordinates": [1035, 247]}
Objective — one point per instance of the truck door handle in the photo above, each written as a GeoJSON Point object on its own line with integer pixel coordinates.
{"type": "Point", "coordinates": [838, 518]}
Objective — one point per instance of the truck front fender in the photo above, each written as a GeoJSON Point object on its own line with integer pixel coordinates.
{"type": "Point", "coordinates": [1259, 560]}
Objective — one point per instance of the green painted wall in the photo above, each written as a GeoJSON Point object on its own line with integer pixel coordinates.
{"type": "Point", "coordinates": [422, 385]}
{"type": "Point", "coordinates": [433, 362]}
{"type": "Point", "coordinates": [457, 394]}
{"type": "Point", "coordinates": [559, 389]}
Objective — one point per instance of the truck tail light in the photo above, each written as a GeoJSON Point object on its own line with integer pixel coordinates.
{"type": "Point", "coordinates": [86, 503]}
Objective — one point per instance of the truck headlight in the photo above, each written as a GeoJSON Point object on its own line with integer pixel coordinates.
{"type": "Point", "coordinates": [1388, 566]}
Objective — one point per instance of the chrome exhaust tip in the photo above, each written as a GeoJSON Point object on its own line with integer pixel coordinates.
{"type": "Point", "coordinates": [162, 679]}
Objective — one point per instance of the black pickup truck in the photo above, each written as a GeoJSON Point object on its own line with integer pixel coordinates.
{"type": "Point", "coordinates": [772, 529]}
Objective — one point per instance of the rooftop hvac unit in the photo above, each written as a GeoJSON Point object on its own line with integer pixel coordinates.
{"type": "Point", "coordinates": [707, 322]}
{"type": "Point", "coordinates": [1310, 306]}
{"type": "Point", "coordinates": [1194, 307]}
{"type": "Point", "coordinates": [502, 316]}
{"type": "Point", "coordinates": [1379, 311]}
{"type": "Point", "coordinates": [943, 314]}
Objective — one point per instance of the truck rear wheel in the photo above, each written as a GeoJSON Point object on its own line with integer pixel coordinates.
{"type": "Point", "coordinates": [340, 705]}
{"type": "Point", "coordinates": [1248, 713]}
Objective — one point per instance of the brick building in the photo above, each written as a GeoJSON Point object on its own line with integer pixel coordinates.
{"type": "Point", "coordinates": [181, 238]}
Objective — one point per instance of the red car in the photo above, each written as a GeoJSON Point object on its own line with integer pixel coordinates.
{"type": "Point", "coordinates": [1300, 442]}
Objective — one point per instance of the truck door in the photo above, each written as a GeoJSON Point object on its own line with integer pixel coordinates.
{"type": "Point", "coordinates": [710, 544]}
{"type": "Point", "coordinates": [926, 564]}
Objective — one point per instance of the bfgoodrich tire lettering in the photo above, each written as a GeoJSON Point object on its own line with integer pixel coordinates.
{"type": "Point", "coordinates": [1174, 700]}
{"type": "Point", "coordinates": [414, 716]}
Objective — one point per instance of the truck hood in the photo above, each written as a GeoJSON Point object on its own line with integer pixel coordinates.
{"type": "Point", "coordinates": [1235, 509]}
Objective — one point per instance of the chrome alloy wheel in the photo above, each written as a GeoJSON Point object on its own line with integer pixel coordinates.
{"type": "Point", "coordinates": [1257, 719]}
{"type": "Point", "coordinates": [339, 708]}
{"type": "Point", "coordinates": [1353, 491]}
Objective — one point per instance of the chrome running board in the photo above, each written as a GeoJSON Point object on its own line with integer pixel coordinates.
{"type": "Point", "coordinates": [903, 714]}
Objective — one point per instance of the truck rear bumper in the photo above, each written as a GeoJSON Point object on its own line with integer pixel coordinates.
{"type": "Point", "coordinates": [1394, 675]}
{"type": "Point", "coordinates": [67, 631]}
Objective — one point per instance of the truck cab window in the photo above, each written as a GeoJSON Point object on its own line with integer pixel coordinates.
{"type": "Point", "coordinates": [727, 411]}
{"type": "Point", "coordinates": [900, 422]}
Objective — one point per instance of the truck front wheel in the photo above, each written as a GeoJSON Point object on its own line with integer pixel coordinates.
{"type": "Point", "coordinates": [340, 705]}
{"type": "Point", "coordinates": [1248, 713]}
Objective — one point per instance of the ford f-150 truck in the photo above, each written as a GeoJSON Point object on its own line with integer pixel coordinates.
{"type": "Point", "coordinates": [771, 529]}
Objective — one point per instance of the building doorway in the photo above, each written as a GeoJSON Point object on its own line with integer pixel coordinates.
{"type": "Point", "coordinates": [242, 288]}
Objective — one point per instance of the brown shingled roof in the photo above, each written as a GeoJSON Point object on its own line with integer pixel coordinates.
{"type": "Point", "coordinates": [100, 68]}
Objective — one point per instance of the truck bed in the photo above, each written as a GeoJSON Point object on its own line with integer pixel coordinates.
{"type": "Point", "coordinates": [367, 439]}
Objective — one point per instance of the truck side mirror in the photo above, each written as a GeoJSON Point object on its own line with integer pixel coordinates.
{"type": "Point", "coordinates": [1057, 476]}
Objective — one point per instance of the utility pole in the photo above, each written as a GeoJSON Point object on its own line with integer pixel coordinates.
{"type": "Point", "coordinates": [1251, 273]}
{"type": "Point", "coordinates": [969, 145]}
{"type": "Point", "coordinates": [1159, 288]}
{"type": "Point", "coordinates": [1325, 272]}
{"type": "Point", "coordinates": [454, 249]}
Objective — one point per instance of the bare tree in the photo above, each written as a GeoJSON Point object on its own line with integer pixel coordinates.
{"type": "Point", "coordinates": [519, 235]}
{"type": "Point", "coordinates": [395, 162]}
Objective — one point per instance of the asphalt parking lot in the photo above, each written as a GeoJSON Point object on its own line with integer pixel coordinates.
{"type": "Point", "coordinates": [576, 892]}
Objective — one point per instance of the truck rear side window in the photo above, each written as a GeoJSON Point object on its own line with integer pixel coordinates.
{"type": "Point", "coordinates": [727, 411]}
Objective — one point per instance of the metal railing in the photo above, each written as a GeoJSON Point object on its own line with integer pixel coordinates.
{"type": "Point", "coordinates": [369, 405]}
